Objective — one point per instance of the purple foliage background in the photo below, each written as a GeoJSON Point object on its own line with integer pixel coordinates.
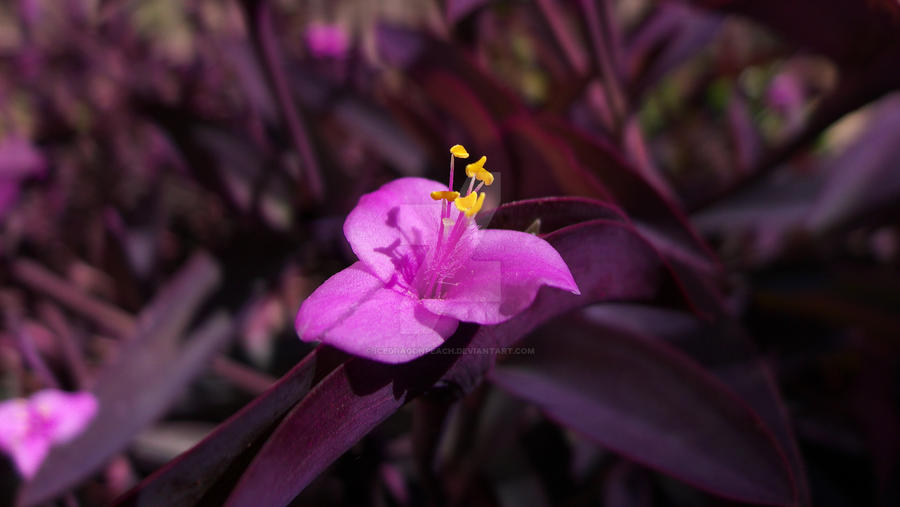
{"type": "Point", "coordinates": [721, 176]}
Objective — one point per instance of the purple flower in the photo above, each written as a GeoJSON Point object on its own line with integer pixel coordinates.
{"type": "Point", "coordinates": [326, 41]}
{"type": "Point", "coordinates": [28, 427]}
{"type": "Point", "coordinates": [785, 92]}
{"type": "Point", "coordinates": [423, 267]}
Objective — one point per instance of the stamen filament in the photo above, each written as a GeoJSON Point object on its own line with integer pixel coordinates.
{"type": "Point", "coordinates": [437, 251]}
{"type": "Point", "coordinates": [450, 183]}
{"type": "Point", "coordinates": [445, 211]}
{"type": "Point", "coordinates": [458, 229]}
{"type": "Point", "coordinates": [467, 209]}
{"type": "Point", "coordinates": [438, 259]}
{"type": "Point", "coordinates": [441, 257]}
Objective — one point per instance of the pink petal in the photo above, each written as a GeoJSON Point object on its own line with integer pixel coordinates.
{"type": "Point", "coordinates": [326, 41]}
{"type": "Point", "coordinates": [28, 455]}
{"type": "Point", "coordinates": [66, 414]}
{"type": "Point", "coordinates": [502, 278]}
{"type": "Point", "coordinates": [332, 301]}
{"type": "Point", "coordinates": [20, 159]}
{"type": "Point", "coordinates": [355, 312]}
{"type": "Point", "coordinates": [29, 427]}
{"type": "Point", "coordinates": [26, 452]}
{"type": "Point", "coordinates": [14, 420]}
{"type": "Point", "coordinates": [392, 229]}
{"type": "Point", "coordinates": [26, 448]}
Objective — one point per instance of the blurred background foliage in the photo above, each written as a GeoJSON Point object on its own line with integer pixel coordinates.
{"type": "Point", "coordinates": [756, 141]}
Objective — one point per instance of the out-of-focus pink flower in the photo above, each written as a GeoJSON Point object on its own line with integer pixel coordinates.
{"type": "Point", "coordinates": [326, 41]}
{"type": "Point", "coordinates": [20, 159]}
{"type": "Point", "coordinates": [785, 92]}
{"type": "Point", "coordinates": [424, 267]}
{"type": "Point", "coordinates": [29, 427]}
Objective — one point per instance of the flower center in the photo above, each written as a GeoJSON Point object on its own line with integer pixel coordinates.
{"type": "Point", "coordinates": [442, 264]}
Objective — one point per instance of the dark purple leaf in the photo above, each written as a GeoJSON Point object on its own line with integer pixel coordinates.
{"type": "Point", "coordinates": [864, 176]}
{"type": "Point", "coordinates": [19, 159]}
{"type": "Point", "coordinates": [697, 275]}
{"type": "Point", "coordinates": [330, 419]}
{"type": "Point", "coordinates": [151, 371]}
{"type": "Point", "coordinates": [9, 194]}
{"type": "Point", "coordinates": [553, 212]}
{"type": "Point", "coordinates": [435, 64]}
{"type": "Point", "coordinates": [637, 197]}
{"type": "Point", "coordinates": [458, 9]}
{"type": "Point", "coordinates": [764, 215]}
{"type": "Point", "coordinates": [658, 220]}
{"type": "Point", "coordinates": [851, 32]}
{"type": "Point", "coordinates": [652, 404]}
{"type": "Point", "coordinates": [724, 350]}
{"type": "Point", "coordinates": [235, 159]}
{"type": "Point", "coordinates": [36, 277]}
{"type": "Point", "coordinates": [469, 107]}
{"type": "Point", "coordinates": [565, 36]}
{"type": "Point", "coordinates": [745, 138]}
{"type": "Point", "coordinates": [550, 155]}
{"type": "Point", "coordinates": [700, 278]}
{"type": "Point", "coordinates": [185, 480]}
{"type": "Point", "coordinates": [628, 485]}
{"type": "Point", "coordinates": [382, 135]}
{"type": "Point", "coordinates": [130, 399]}
{"type": "Point", "coordinates": [634, 143]}
{"type": "Point", "coordinates": [548, 165]}
{"type": "Point", "coordinates": [400, 46]}
{"type": "Point", "coordinates": [258, 18]}
{"type": "Point", "coordinates": [250, 76]}
{"type": "Point", "coordinates": [609, 262]}
{"type": "Point", "coordinates": [539, 163]}
{"type": "Point", "coordinates": [672, 34]}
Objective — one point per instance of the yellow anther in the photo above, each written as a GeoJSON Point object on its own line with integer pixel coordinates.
{"type": "Point", "coordinates": [476, 170]}
{"type": "Point", "coordinates": [470, 204]}
{"type": "Point", "coordinates": [475, 167]}
{"type": "Point", "coordinates": [446, 195]}
{"type": "Point", "coordinates": [458, 151]}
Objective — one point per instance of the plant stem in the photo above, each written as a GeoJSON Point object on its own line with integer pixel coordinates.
{"type": "Point", "coordinates": [572, 50]}
{"type": "Point", "coordinates": [604, 60]}
{"type": "Point", "coordinates": [259, 22]}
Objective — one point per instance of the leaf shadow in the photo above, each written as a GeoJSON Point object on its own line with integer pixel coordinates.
{"type": "Point", "coordinates": [417, 376]}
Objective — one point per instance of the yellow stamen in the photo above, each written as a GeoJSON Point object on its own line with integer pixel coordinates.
{"type": "Point", "coordinates": [446, 195]}
{"type": "Point", "coordinates": [476, 170]}
{"type": "Point", "coordinates": [476, 167]}
{"type": "Point", "coordinates": [470, 204]}
{"type": "Point", "coordinates": [458, 151]}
